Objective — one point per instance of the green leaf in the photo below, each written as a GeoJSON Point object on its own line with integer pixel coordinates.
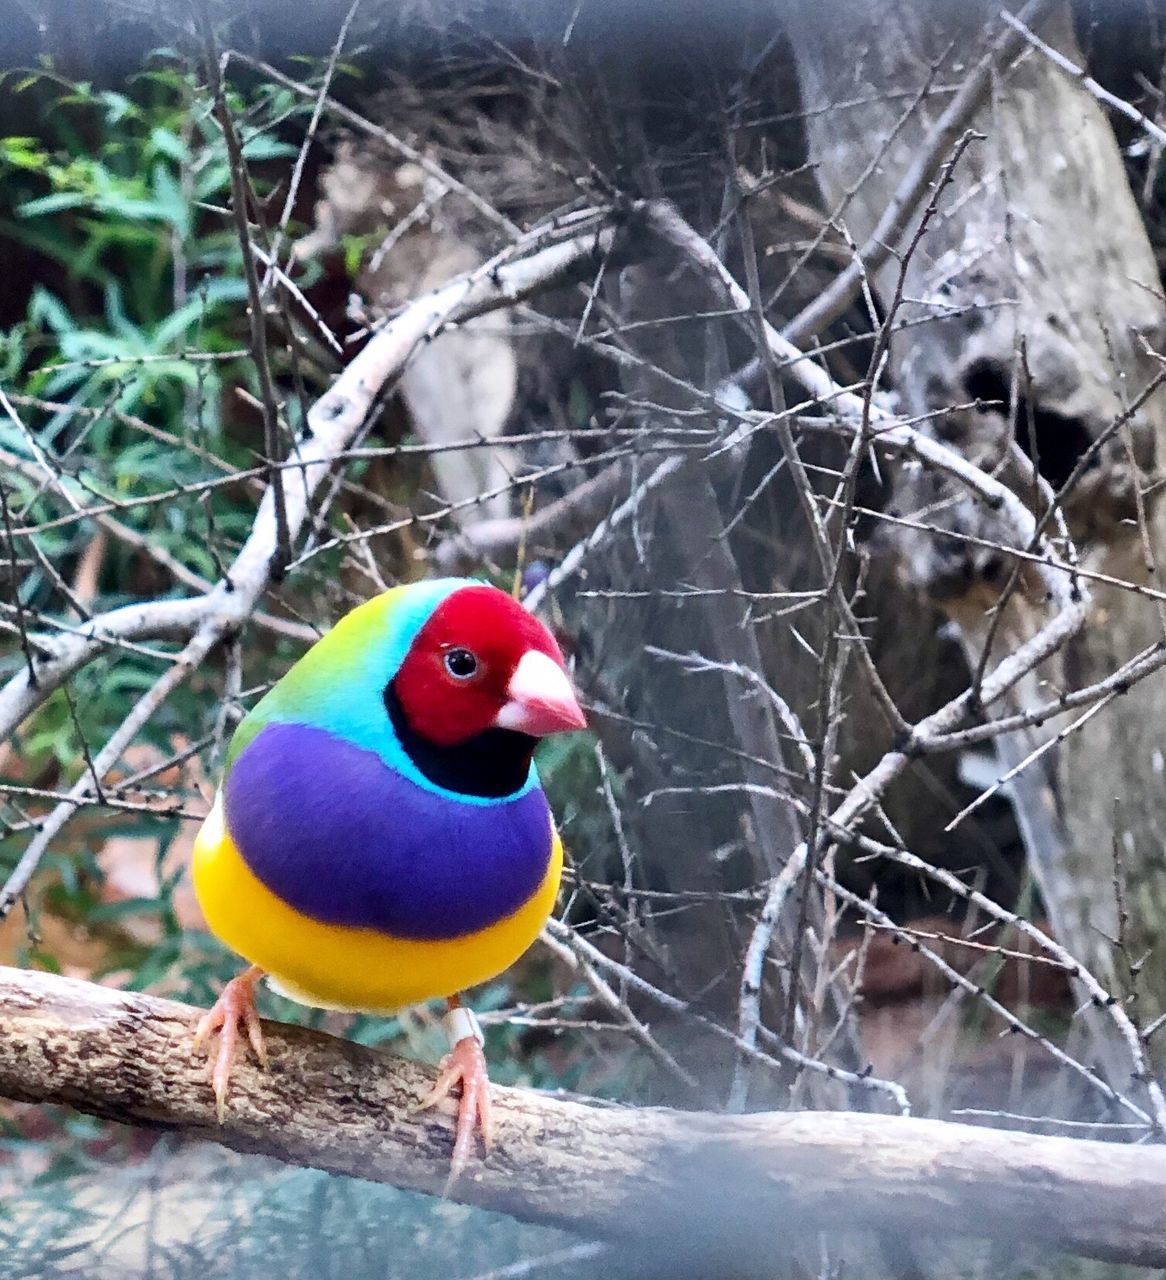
{"type": "Point", "coordinates": [47, 309]}
{"type": "Point", "coordinates": [52, 204]}
{"type": "Point", "coordinates": [23, 153]}
{"type": "Point", "coordinates": [171, 200]}
{"type": "Point", "coordinates": [169, 145]}
{"type": "Point", "coordinates": [264, 147]}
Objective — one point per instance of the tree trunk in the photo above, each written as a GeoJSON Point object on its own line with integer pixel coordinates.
{"type": "Point", "coordinates": [1033, 290]}
{"type": "Point", "coordinates": [718, 764]}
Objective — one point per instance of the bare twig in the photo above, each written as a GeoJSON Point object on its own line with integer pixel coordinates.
{"type": "Point", "coordinates": [1021, 25]}
{"type": "Point", "coordinates": [241, 200]}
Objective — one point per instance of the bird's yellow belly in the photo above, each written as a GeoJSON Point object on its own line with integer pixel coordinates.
{"type": "Point", "coordinates": [337, 966]}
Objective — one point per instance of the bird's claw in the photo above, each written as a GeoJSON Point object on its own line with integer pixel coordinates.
{"type": "Point", "coordinates": [235, 1006]}
{"type": "Point", "coordinates": [465, 1064]}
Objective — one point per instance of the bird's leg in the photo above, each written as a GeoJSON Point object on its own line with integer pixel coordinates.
{"type": "Point", "coordinates": [465, 1064]}
{"type": "Point", "coordinates": [235, 1006]}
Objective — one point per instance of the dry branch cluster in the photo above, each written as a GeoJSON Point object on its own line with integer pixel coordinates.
{"type": "Point", "coordinates": [855, 548]}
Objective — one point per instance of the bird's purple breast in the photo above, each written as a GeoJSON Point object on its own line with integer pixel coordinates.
{"type": "Point", "coordinates": [344, 839]}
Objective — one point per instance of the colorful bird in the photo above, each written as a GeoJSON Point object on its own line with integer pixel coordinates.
{"type": "Point", "coordinates": [380, 837]}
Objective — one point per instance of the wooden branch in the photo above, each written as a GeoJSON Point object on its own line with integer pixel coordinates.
{"type": "Point", "coordinates": [1086, 81]}
{"type": "Point", "coordinates": [736, 1185]}
{"type": "Point", "coordinates": [578, 509]}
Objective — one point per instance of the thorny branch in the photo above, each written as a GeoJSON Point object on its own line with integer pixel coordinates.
{"type": "Point", "coordinates": [1068, 617]}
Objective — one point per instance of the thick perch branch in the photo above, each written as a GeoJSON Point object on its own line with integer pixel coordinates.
{"type": "Point", "coordinates": [688, 1181]}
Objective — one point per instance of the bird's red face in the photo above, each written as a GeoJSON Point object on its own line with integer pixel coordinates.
{"type": "Point", "coordinates": [483, 662]}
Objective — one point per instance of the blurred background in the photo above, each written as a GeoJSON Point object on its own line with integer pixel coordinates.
{"type": "Point", "coordinates": [771, 553]}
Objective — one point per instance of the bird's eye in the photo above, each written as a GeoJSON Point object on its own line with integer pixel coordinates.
{"type": "Point", "coordinates": [461, 664]}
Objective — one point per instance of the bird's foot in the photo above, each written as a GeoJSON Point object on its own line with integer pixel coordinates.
{"type": "Point", "coordinates": [465, 1064]}
{"type": "Point", "coordinates": [235, 1007]}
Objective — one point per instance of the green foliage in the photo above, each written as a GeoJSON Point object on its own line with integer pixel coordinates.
{"type": "Point", "coordinates": [125, 193]}
{"type": "Point", "coordinates": [126, 365]}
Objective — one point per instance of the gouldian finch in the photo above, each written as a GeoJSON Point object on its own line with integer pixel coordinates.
{"type": "Point", "coordinates": [380, 837]}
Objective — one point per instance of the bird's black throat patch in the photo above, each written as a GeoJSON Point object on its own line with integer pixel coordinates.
{"type": "Point", "coordinates": [493, 763]}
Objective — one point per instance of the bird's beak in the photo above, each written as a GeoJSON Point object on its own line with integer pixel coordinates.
{"type": "Point", "coordinates": [540, 699]}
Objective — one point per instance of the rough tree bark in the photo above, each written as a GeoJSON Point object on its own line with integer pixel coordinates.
{"type": "Point", "coordinates": [1038, 290]}
{"type": "Point", "coordinates": [739, 1190]}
